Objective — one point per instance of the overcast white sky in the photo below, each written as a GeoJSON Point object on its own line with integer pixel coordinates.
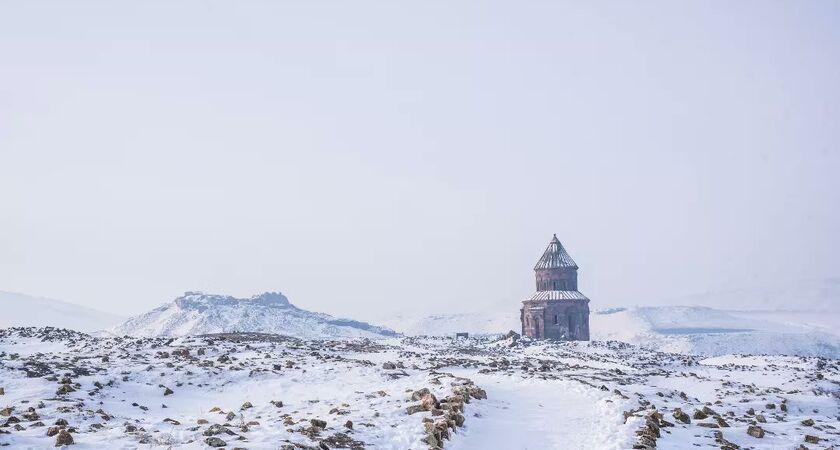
{"type": "Point", "coordinates": [410, 156]}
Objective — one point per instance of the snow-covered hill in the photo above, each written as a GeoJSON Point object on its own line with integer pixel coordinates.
{"type": "Point", "coordinates": [706, 331]}
{"type": "Point", "coordinates": [680, 329]}
{"type": "Point", "coordinates": [20, 310]}
{"type": "Point", "coordinates": [197, 313]}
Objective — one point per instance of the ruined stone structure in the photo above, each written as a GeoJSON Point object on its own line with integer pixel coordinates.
{"type": "Point", "coordinates": [557, 310]}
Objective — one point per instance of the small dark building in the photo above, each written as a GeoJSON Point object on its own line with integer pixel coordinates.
{"type": "Point", "coordinates": [557, 310]}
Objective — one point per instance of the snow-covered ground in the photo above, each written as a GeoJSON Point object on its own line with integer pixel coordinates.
{"type": "Point", "coordinates": [535, 413]}
{"type": "Point", "coordinates": [210, 370]}
{"type": "Point", "coordinates": [20, 310]}
{"type": "Point", "coordinates": [226, 389]}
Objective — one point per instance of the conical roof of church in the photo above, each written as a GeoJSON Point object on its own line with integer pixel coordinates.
{"type": "Point", "coordinates": [555, 257]}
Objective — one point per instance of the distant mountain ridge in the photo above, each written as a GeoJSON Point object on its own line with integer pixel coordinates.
{"type": "Point", "coordinates": [271, 312]}
{"type": "Point", "coordinates": [21, 310]}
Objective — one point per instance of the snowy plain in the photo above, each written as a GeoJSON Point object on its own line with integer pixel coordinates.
{"type": "Point", "coordinates": [260, 373]}
{"type": "Point", "coordinates": [181, 392]}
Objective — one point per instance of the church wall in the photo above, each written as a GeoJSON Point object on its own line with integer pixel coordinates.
{"type": "Point", "coordinates": [559, 320]}
{"type": "Point", "coordinates": [566, 280]}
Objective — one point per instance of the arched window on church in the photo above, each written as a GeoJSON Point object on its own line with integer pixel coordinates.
{"type": "Point", "coordinates": [555, 319]}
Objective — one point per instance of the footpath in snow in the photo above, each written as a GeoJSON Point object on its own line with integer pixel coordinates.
{"type": "Point", "coordinates": [531, 414]}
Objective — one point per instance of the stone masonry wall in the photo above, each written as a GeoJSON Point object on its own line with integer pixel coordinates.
{"type": "Point", "coordinates": [556, 280]}
{"type": "Point", "coordinates": [552, 319]}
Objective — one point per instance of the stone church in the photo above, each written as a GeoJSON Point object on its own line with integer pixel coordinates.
{"type": "Point", "coordinates": [557, 310]}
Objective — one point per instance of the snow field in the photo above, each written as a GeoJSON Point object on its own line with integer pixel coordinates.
{"type": "Point", "coordinates": [572, 395]}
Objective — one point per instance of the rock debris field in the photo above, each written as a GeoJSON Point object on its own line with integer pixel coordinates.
{"type": "Point", "coordinates": [61, 388]}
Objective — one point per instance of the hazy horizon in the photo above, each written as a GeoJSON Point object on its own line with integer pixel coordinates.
{"type": "Point", "coordinates": [367, 158]}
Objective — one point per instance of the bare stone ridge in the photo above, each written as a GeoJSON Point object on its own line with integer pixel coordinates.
{"type": "Point", "coordinates": [557, 310]}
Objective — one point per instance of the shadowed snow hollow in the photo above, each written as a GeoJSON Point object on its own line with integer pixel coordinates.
{"type": "Point", "coordinates": [197, 313]}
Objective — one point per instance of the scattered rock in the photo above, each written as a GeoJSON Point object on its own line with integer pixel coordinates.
{"type": "Point", "coordinates": [216, 429]}
{"type": "Point", "coordinates": [812, 439]}
{"type": "Point", "coordinates": [681, 416]}
{"type": "Point", "coordinates": [755, 431]}
{"type": "Point", "coordinates": [429, 402]}
{"type": "Point", "coordinates": [65, 389]}
{"type": "Point", "coordinates": [63, 438]}
{"type": "Point", "coordinates": [418, 394]}
{"type": "Point", "coordinates": [214, 441]}
{"type": "Point", "coordinates": [414, 409]}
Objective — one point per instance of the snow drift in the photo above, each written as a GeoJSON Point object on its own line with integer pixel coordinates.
{"type": "Point", "coordinates": [198, 313]}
